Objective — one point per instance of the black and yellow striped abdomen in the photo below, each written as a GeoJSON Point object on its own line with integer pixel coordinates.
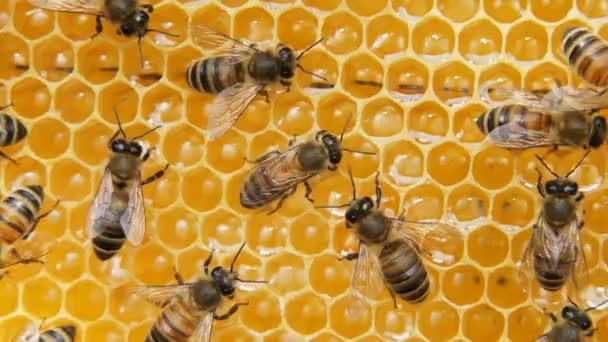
{"type": "Point", "coordinates": [18, 212]}
{"type": "Point", "coordinates": [212, 75]}
{"type": "Point", "coordinates": [64, 333]}
{"type": "Point", "coordinates": [551, 277]}
{"type": "Point", "coordinates": [12, 130]}
{"type": "Point", "coordinates": [502, 115]}
{"type": "Point", "coordinates": [259, 189]}
{"type": "Point", "coordinates": [403, 271]}
{"type": "Point", "coordinates": [587, 54]}
{"type": "Point", "coordinates": [175, 324]}
{"type": "Point", "coordinates": [112, 237]}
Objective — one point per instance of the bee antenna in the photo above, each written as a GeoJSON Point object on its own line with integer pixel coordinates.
{"type": "Point", "coordinates": [350, 116]}
{"type": "Point", "coordinates": [308, 48]}
{"type": "Point", "coordinates": [352, 182]}
{"type": "Point", "coordinates": [597, 306]}
{"type": "Point", "coordinates": [6, 106]}
{"type": "Point", "coordinates": [236, 256]}
{"type": "Point", "coordinates": [252, 281]}
{"type": "Point", "coordinates": [146, 133]}
{"type": "Point", "coordinates": [163, 32]}
{"type": "Point", "coordinates": [141, 53]}
{"type": "Point", "coordinates": [572, 302]}
{"type": "Point", "coordinates": [118, 122]}
{"type": "Point", "coordinates": [332, 206]}
{"type": "Point", "coordinates": [546, 166]}
{"type": "Point", "coordinates": [357, 151]}
{"type": "Point", "coordinates": [311, 73]}
{"type": "Point", "coordinates": [578, 164]}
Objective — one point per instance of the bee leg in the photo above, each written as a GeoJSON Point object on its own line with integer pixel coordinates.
{"type": "Point", "coordinates": [283, 198]}
{"type": "Point", "coordinates": [264, 92]}
{"type": "Point", "coordinates": [148, 7]}
{"type": "Point", "coordinates": [308, 192]}
{"type": "Point", "coordinates": [286, 84]}
{"type": "Point", "coordinates": [550, 315]}
{"type": "Point", "coordinates": [349, 256]}
{"type": "Point", "coordinates": [5, 156]}
{"type": "Point", "coordinates": [178, 276]}
{"type": "Point", "coordinates": [539, 183]}
{"type": "Point", "coordinates": [264, 157]}
{"type": "Point", "coordinates": [579, 197]}
{"type": "Point", "coordinates": [230, 312]}
{"type": "Point", "coordinates": [40, 217]}
{"type": "Point", "coordinates": [392, 296]}
{"type": "Point", "coordinates": [378, 191]}
{"type": "Point", "coordinates": [155, 176]}
{"type": "Point", "coordinates": [591, 332]}
{"type": "Point", "coordinates": [208, 262]}
{"type": "Point", "coordinates": [6, 106]}
{"type": "Point", "coordinates": [98, 26]}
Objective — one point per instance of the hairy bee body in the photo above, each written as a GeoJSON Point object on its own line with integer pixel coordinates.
{"type": "Point", "coordinates": [125, 171]}
{"type": "Point", "coordinates": [63, 333]}
{"type": "Point", "coordinates": [403, 271]}
{"type": "Point", "coordinates": [587, 54]}
{"type": "Point", "coordinates": [181, 316]}
{"type": "Point", "coordinates": [12, 130]}
{"type": "Point", "coordinates": [213, 75]}
{"type": "Point", "coordinates": [19, 211]}
{"type": "Point", "coordinates": [550, 276]}
{"type": "Point", "coordinates": [517, 125]}
{"type": "Point", "coordinates": [117, 11]}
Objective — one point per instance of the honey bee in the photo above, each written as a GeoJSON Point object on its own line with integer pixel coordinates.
{"type": "Point", "coordinates": [522, 126]}
{"type": "Point", "coordinates": [555, 252]}
{"type": "Point", "coordinates": [131, 18]}
{"type": "Point", "coordinates": [574, 327]}
{"type": "Point", "coordinates": [12, 131]}
{"type": "Point", "coordinates": [19, 213]}
{"type": "Point", "coordinates": [189, 309]}
{"type": "Point", "coordinates": [587, 54]}
{"type": "Point", "coordinates": [32, 333]}
{"type": "Point", "coordinates": [278, 174]}
{"type": "Point", "coordinates": [117, 212]}
{"type": "Point", "coordinates": [390, 247]}
{"type": "Point", "coordinates": [239, 73]}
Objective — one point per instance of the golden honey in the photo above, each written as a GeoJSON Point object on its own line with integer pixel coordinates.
{"type": "Point", "coordinates": [428, 152]}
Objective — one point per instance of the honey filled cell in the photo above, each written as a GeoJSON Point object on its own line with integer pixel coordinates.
{"type": "Point", "coordinates": [409, 75]}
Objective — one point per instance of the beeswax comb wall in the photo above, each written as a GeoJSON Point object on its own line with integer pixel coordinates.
{"type": "Point", "coordinates": [63, 85]}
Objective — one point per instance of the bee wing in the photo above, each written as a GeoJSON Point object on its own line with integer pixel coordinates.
{"type": "Point", "coordinates": [133, 221]}
{"type": "Point", "coordinates": [160, 294]}
{"type": "Point", "coordinates": [203, 329]}
{"type": "Point", "coordinates": [526, 264]}
{"type": "Point", "coordinates": [513, 135]}
{"type": "Point", "coordinates": [432, 234]}
{"type": "Point", "coordinates": [25, 252]}
{"type": "Point", "coordinates": [282, 174]}
{"type": "Point", "coordinates": [367, 278]}
{"type": "Point", "coordinates": [544, 338]}
{"type": "Point", "coordinates": [561, 99]}
{"type": "Point", "coordinates": [93, 7]}
{"type": "Point", "coordinates": [228, 46]}
{"type": "Point", "coordinates": [100, 204]}
{"type": "Point", "coordinates": [228, 107]}
{"type": "Point", "coordinates": [29, 333]}
{"type": "Point", "coordinates": [580, 274]}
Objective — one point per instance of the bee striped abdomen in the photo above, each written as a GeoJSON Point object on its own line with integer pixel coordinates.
{"type": "Point", "coordinates": [18, 212]}
{"type": "Point", "coordinates": [550, 277]}
{"type": "Point", "coordinates": [175, 324]}
{"type": "Point", "coordinates": [531, 120]}
{"type": "Point", "coordinates": [11, 130]}
{"type": "Point", "coordinates": [404, 272]}
{"type": "Point", "coordinates": [587, 54]}
{"type": "Point", "coordinates": [212, 75]}
{"type": "Point", "coordinates": [256, 190]}
{"type": "Point", "coordinates": [64, 333]}
{"type": "Point", "coordinates": [112, 236]}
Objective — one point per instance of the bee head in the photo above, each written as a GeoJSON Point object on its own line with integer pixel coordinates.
{"type": "Point", "coordinates": [125, 146]}
{"type": "Point", "coordinates": [357, 209]}
{"type": "Point", "coordinates": [135, 25]}
{"type": "Point", "coordinates": [576, 316]}
{"type": "Point", "coordinates": [332, 145]}
{"type": "Point", "coordinates": [598, 131]}
{"type": "Point", "coordinates": [224, 280]}
{"type": "Point", "coordinates": [561, 186]}
{"type": "Point", "coordinates": [287, 61]}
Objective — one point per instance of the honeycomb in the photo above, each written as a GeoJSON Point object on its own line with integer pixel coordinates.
{"type": "Point", "coordinates": [413, 56]}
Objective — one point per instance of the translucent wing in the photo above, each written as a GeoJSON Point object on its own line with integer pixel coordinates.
{"type": "Point", "coordinates": [513, 135]}
{"type": "Point", "coordinates": [93, 7]}
{"type": "Point", "coordinates": [228, 107]}
{"type": "Point", "coordinates": [228, 46]}
{"type": "Point", "coordinates": [580, 273]}
{"type": "Point", "coordinates": [100, 204]}
{"type": "Point", "coordinates": [544, 338]}
{"type": "Point", "coordinates": [160, 294]}
{"type": "Point", "coordinates": [282, 174]}
{"type": "Point", "coordinates": [558, 99]}
{"type": "Point", "coordinates": [430, 234]}
{"type": "Point", "coordinates": [133, 221]}
{"type": "Point", "coordinates": [367, 278]}
{"type": "Point", "coordinates": [30, 333]}
{"type": "Point", "coordinates": [204, 328]}
{"type": "Point", "coordinates": [526, 264]}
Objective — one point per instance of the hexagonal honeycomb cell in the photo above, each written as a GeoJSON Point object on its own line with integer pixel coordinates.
{"type": "Point", "coordinates": [409, 73]}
